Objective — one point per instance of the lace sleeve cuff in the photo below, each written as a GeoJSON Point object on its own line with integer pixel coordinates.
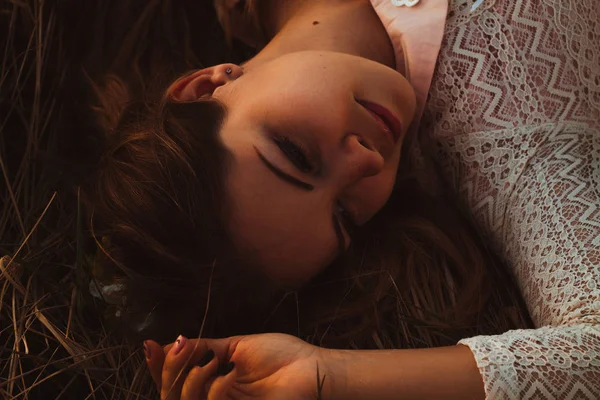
{"type": "Point", "coordinates": [560, 363]}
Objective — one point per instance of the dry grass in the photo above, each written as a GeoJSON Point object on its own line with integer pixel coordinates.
{"type": "Point", "coordinates": [47, 350]}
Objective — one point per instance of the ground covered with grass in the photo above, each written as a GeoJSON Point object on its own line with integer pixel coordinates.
{"type": "Point", "coordinates": [50, 345]}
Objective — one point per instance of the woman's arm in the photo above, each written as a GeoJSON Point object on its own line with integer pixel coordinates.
{"type": "Point", "coordinates": [440, 373]}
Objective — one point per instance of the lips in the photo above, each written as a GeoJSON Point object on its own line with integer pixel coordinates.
{"type": "Point", "coordinates": [383, 115]}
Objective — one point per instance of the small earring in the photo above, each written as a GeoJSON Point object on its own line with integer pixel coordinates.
{"type": "Point", "coordinates": [228, 71]}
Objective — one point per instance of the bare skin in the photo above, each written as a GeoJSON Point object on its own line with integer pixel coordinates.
{"type": "Point", "coordinates": [284, 368]}
{"type": "Point", "coordinates": [304, 84]}
{"type": "Point", "coordinates": [278, 366]}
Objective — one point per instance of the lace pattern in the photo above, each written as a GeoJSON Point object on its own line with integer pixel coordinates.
{"type": "Point", "coordinates": [515, 111]}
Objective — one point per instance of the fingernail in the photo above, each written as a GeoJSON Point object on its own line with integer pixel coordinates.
{"type": "Point", "coordinates": [179, 343]}
{"type": "Point", "coordinates": [206, 358]}
{"type": "Point", "coordinates": [225, 369]}
{"type": "Point", "coordinates": [146, 350]}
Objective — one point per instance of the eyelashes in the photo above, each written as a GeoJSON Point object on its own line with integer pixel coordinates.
{"type": "Point", "coordinates": [296, 153]}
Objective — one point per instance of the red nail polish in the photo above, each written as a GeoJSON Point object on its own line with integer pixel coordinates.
{"type": "Point", "coordinates": [179, 343]}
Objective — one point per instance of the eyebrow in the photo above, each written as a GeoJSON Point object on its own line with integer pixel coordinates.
{"type": "Point", "coordinates": [284, 176]}
{"type": "Point", "coordinates": [307, 187]}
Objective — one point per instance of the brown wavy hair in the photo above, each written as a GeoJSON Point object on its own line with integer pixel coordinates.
{"type": "Point", "coordinates": [155, 206]}
{"type": "Point", "coordinates": [418, 274]}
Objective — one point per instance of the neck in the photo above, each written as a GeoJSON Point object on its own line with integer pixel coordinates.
{"type": "Point", "coordinates": [345, 26]}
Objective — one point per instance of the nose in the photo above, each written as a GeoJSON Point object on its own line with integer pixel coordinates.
{"type": "Point", "coordinates": [358, 161]}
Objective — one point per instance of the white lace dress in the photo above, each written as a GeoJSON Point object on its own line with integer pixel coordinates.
{"type": "Point", "coordinates": [515, 102]}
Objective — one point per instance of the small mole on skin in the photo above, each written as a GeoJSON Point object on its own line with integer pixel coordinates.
{"type": "Point", "coordinates": [315, 22]}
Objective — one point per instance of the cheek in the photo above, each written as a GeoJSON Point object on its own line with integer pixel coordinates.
{"type": "Point", "coordinates": [293, 266]}
{"type": "Point", "coordinates": [288, 253]}
{"type": "Point", "coordinates": [372, 193]}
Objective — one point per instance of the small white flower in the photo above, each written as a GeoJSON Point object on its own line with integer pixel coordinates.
{"type": "Point", "coordinates": [112, 293]}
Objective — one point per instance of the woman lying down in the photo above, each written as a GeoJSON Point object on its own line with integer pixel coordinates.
{"type": "Point", "coordinates": [293, 194]}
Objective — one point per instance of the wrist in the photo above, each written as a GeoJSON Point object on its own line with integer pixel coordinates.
{"type": "Point", "coordinates": [444, 372]}
{"type": "Point", "coordinates": [333, 371]}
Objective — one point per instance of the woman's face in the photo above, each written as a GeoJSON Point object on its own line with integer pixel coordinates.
{"type": "Point", "coordinates": [305, 150]}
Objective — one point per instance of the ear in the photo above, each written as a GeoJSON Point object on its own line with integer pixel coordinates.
{"type": "Point", "coordinates": [191, 87]}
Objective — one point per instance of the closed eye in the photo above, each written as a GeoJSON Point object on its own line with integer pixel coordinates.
{"type": "Point", "coordinates": [305, 187]}
{"type": "Point", "coordinates": [295, 153]}
{"type": "Point", "coordinates": [342, 219]}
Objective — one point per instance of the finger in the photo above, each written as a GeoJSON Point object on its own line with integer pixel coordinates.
{"type": "Point", "coordinates": [207, 386]}
{"type": "Point", "coordinates": [155, 358]}
{"type": "Point", "coordinates": [222, 385]}
{"type": "Point", "coordinates": [175, 366]}
{"type": "Point", "coordinates": [223, 348]}
{"type": "Point", "coordinates": [193, 387]}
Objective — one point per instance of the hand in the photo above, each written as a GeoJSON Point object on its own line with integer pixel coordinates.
{"type": "Point", "coordinates": [266, 366]}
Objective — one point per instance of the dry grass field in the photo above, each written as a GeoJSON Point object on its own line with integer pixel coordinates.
{"type": "Point", "coordinates": [50, 345]}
